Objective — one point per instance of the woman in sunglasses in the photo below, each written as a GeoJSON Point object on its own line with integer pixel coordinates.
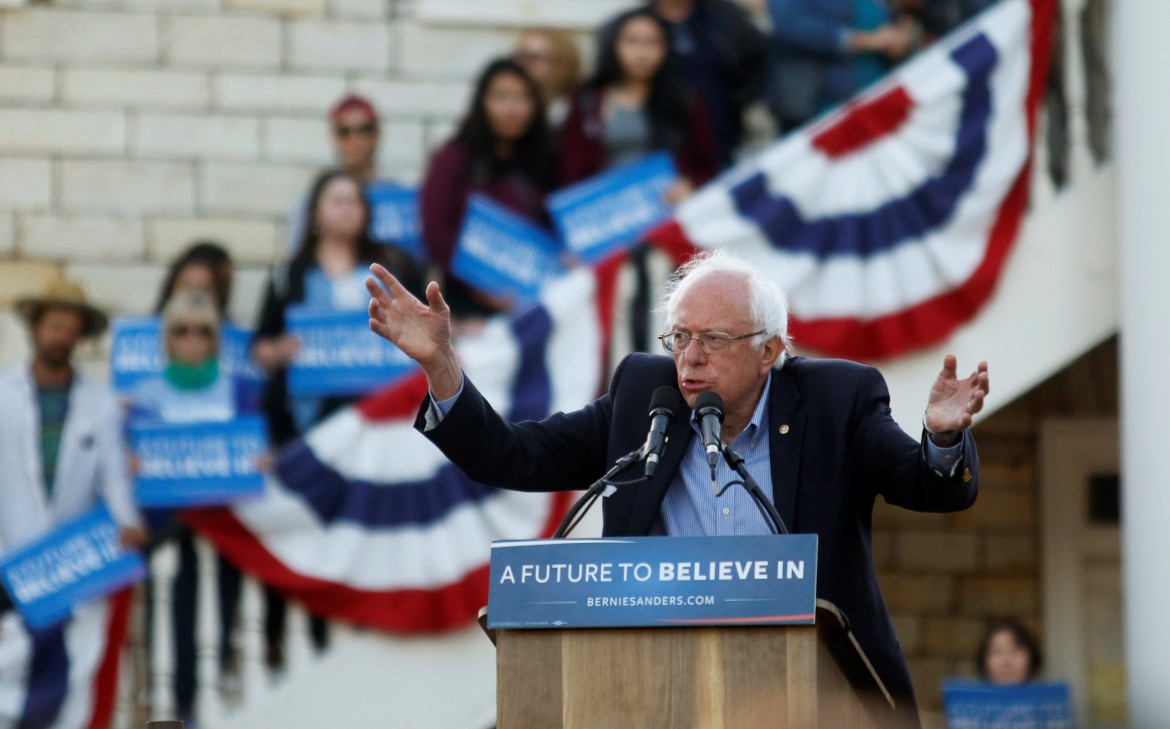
{"type": "Point", "coordinates": [192, 388]}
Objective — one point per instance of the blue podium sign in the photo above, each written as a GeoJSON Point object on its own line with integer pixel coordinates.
{"type": "Point", "coordinates": [136, 353]}
{"type": "Point", "coordinates": [609, 212]}
{"type": "Point", "coordinates": [971, 705]}
{"type": "Point", "coordinates": [653, 581]}
{"type": "Point", "coordinates": [198, 464]}
{"type": "Point", "coordinates": [503, 254]}
{"type": "Point", "coordinates": [79, 561]}
{"type": "Point", "coordinates": [339, 354]}
{"type": "Point", "coordinates": [394, 217]}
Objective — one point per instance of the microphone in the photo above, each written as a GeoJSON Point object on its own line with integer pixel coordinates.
{"type": "Point", "coordinates": [709, 408]}
{"type": "Point", "coordinates": [664, 406]}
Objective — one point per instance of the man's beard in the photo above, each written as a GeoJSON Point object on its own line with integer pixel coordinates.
{"type": "Point", "coordinates": [55, 358]}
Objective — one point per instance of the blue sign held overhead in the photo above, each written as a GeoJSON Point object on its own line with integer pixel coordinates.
{"type": "Point", "coordinates": [648, 581]}
{"type": "Point", "coordinates": [79, 561]}
{"type": "Point", "coordinates": [339, 355]}
{"type": "Point", "coordinates": [395, 217]}
{"type": "Point", "coordinates": [137, 352]}
{"type": "Point", "coordinates": [609, 212]}
{"type": "Point", "coordinates": [502, 254]}
{"type": "Point", "coordinates": [971, 705]}
{"type": "Point", "coordinates": [198, 464]}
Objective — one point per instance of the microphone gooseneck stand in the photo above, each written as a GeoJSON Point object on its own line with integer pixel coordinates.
{"type": "Point", "coordinates": [763, 503]}
{"type": "Point", "coordinates": [601, 487]}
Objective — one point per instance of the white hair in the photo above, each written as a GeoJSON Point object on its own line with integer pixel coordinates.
{"type": "Point", "coordinates": [767, 301]}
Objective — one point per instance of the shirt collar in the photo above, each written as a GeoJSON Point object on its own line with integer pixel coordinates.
{"type": "Point", "coordinates": [757, 420]}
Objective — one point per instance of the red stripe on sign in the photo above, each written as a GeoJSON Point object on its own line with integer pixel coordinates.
{"type": "Point", "coordinates": [730, 621]}
{"type": "Point", "coordinates": [864, 123]}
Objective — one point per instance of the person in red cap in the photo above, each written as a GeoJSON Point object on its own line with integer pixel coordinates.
{"type": "Point", "coordinates": [354, 129]}
{"type": "Point", "coordinates": [354, 125]}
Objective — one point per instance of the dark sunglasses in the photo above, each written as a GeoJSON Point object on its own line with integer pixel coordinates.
{"type": "Point", "coordinates": [365, 130]}
{"type": "Point", "coordinates": [184, 330]}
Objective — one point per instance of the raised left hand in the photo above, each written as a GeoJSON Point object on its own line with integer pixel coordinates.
{"type": "Point", "coordinates": [954, 402]}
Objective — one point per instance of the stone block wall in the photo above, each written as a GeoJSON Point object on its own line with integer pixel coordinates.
{"type": "Point", "coordinates": [129, 128]}
{"type": "Point", "coordinates": [945, 575]}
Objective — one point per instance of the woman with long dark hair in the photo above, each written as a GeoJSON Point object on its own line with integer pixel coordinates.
{"type": "Point", "coordinates": [204, 267]}
{"type": "Point", "coordinates": [328, 271]}
{"type": "Point", "coordinates": [636, 103]}
{"type": "Point", "coordinates": [501, 150]}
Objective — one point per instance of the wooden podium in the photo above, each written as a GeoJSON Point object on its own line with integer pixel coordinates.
{"type": "Point", "coordinates": [798, 677]}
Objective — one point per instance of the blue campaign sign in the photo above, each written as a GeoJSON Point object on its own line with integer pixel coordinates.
{"type": "Point", "coordinates": [502, 254]}
{"type": "Point", "coordinates": [79, 561]}
{"type": "Point", "coordinates": [198, 464]}
{"type": "Point", "coordinates": [971, 705]}
{"type": "Point", "coordinates": [395, 217]}
{"type": "Point", "coordinates": [653, 581]}
{"type": "Point", "coordinates": [609, 212]}
{"type": "Point", "coordinates": [136, 353]}
{"type": "Point", "coordinates": [339, 354]}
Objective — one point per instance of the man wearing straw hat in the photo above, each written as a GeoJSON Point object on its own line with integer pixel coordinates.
{"type": "Point", "coordinates": [61, 443]}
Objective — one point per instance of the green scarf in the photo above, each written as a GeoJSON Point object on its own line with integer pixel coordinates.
{"type": "Point", "coordinates": [192, 377]}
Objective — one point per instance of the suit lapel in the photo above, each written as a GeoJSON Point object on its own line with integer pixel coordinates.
{"type": "Point", "coordinates": [649, 500]}
{"type": "Point", "coordinates": [785, 435]}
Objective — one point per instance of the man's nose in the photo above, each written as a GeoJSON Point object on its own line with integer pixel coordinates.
{"type": "Point", "coordinates": [694, 351]}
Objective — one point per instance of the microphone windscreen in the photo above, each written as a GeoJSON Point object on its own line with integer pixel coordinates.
{"type": "Point", "coordinates": [669, 399]}
{"type": "Point", "coordinates": [710, 401]}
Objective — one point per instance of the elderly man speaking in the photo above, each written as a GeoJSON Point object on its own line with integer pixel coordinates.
{"type": "Point", "coordinates": [817, 435]}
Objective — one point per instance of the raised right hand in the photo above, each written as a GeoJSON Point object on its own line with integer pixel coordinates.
{"type": "Point", "coordinates": [421, 331]}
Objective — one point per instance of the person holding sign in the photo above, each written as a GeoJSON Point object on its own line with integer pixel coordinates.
{"type": "Point", "coordinates": [326, 273]}
{"type": "Point", "coordinates": [67, 421]}
{"type": "Point", "coordinates": [61, 448]}
{"type": "Point", "coordinates": [501, 151]}
{"type": "Point", "coordinates": [817, 435]}
{"type": "Point", "coordinates": [192, 389]}
{"type": "Point", "coordinates": [636, 103]}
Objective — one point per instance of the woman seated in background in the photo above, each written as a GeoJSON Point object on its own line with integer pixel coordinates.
{"type": "Point", "coordinates": [637, 103]}
{"type": "Point", "coordinates": [192, 388]}
{"type": "Point", "coordinates": [1008, 654]}
{"type": "Point", "coordinates": [501, 151]}
{"type": "Point", "coordinates": [550, 57]}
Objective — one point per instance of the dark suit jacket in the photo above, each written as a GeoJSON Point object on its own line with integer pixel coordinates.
{"type": "Point", "coordinates": [834, 449]}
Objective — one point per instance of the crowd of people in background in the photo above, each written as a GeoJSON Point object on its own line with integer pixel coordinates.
{"type": "Point", "coordinates": [673, 76]}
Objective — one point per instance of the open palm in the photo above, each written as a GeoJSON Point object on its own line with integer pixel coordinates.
{"type": "Point", "coordinates": [954, 402]}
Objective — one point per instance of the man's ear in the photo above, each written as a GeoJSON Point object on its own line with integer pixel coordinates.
{"type": "Point", "coordinates": [770, 352]}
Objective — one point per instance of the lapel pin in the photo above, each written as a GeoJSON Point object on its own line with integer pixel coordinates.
{"type": "Point", "coordinates": [784, 429]}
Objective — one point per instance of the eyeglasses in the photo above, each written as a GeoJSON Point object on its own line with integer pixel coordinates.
{"type": "Point", "coordinates": [365, 130]}
{"type": "Point", "coordinates": [185, 330]}
{"type": "Point", "coordinates": [677, 342]}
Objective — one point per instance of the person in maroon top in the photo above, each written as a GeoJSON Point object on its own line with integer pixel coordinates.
{"type": "Point", "coordinates": [636, 103]}
{"type": "Point", "coordinates": [502, 150]}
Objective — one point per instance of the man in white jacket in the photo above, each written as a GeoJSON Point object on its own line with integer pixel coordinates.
{"type": "Point", "coordinates": [61, 446]}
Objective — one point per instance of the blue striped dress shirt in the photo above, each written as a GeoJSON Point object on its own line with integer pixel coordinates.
{"type": "Point", "coordinates": [691, 507]}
